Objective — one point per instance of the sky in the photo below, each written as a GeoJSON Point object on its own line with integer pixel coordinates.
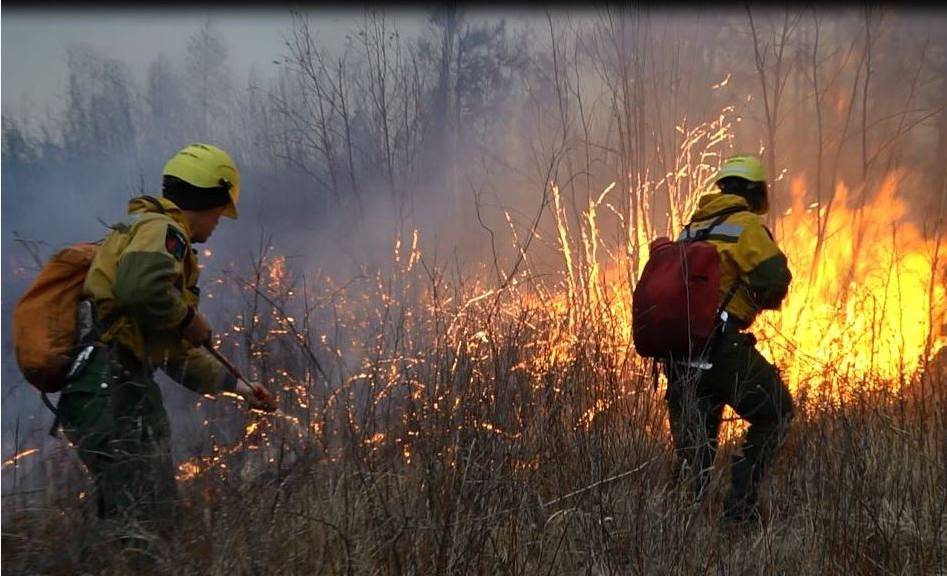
{"type": "Point", "coordinates": [34, 43]}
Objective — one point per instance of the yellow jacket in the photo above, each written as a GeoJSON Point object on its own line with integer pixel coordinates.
{"type": "Point", "coordinates": [142, 281]}
{"type": "Point", "coordinates": [748, 254]}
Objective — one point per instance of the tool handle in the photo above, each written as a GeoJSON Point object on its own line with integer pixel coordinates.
{"type": "Point", "coordinates": [233, 370]}
{"type": "Point", "coordinates": [223, 360]}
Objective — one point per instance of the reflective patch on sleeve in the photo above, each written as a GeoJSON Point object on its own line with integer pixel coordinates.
{"type": "Point", "coordinates": [732, 230]}
{"type": "Point", "coordinates": [722, 232]}
{"type": "Point", "coordinates": [175, 243]}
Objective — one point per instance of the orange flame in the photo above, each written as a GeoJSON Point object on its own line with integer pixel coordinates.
{"type": "Point", "coordinates": [865, 304]}
{"type": "Point", "coordinates": [864, 301]}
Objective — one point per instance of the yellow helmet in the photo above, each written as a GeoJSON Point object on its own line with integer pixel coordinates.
{"type": "Point", "coordinates": [748, 169]}
{"type": "Point", "coordinates": [206, 167]}
{"type": "Point", "coordinates": [744, 166]}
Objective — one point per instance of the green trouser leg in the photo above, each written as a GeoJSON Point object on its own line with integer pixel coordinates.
{"type": "Point", "coordinates": [695, 424]}
{"type": "Point", "coordinates": [753, 387]}
{"type": "Point", "coordinates": [742, 378]}
{"type": "Point", "coordinates": [113, 413]}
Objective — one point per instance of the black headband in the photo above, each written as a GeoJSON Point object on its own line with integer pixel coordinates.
{"type": "Point", "coordinates": [190, 197]}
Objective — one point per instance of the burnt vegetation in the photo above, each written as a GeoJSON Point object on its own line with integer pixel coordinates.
{"type": "Point", "coordinates": [438, 240]}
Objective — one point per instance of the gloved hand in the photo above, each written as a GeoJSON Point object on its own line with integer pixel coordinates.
{"type": "Point", "coordinates": [197, 330]}
{"type": "Point", "coordinates": [256, 395]}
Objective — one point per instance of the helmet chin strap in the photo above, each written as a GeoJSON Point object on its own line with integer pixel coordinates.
{"type": "Point", "coordinates": [756, 202]}
{"type": "Point", "coordinates": [757, 198]}
{"type": "Point", "coordinates": [754, 194]}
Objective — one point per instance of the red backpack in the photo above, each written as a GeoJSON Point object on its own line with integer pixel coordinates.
{"type": "Point", "coordinates": [676, 303]}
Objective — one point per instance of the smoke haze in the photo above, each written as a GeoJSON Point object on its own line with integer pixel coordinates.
{"type": "Point", "coordinates": [356, 130]}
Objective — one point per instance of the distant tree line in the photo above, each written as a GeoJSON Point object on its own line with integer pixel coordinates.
{"type": "Point", "coordinates": [478, 116]}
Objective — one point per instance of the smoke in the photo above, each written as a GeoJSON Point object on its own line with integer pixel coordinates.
{"type": "Point", "coordinates": [452, 127]}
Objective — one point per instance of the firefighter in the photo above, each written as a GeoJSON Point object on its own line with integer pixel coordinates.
{"type": "Point", "coordinates": [143, 290]}
{"type": "Point", "coordinates": [754, 276]}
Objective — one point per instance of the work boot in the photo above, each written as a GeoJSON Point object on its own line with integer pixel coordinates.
{"type": "Point", "coordinates": [741, 505]}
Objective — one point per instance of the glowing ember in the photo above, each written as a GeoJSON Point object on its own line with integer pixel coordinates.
{"type": "Point", "coordinates": [251, 428]}
{"type": "Point", "coordinates": [187, 471]}
{"type": "Point", "coordinates": [17, 457]}
{"type": "Point", "coordinates": [276, 273]}
{"type": "Point", "coordinates": [588, 417]}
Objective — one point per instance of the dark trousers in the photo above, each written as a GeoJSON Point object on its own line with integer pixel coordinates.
{"type": "Point", "coordinates": [113, 413]}
{"type": "Point", "coordinates": [747, 382]}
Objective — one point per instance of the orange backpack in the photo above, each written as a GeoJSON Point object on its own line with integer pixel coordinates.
{"type": "Point", "coordinates": [44, 320]}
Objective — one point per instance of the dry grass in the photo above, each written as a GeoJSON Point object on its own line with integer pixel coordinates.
{"type": "Point", "coordinates": [459, 436]}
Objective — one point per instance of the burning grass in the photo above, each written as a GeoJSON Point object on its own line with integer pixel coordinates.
{"type": "Point", "coordinates": [430, 423]}
{"type": "Point", "coordinates": [467, 434]}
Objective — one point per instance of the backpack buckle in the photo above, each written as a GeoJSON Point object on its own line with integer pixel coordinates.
{"type": "Point", "coordinates": [82, 359]}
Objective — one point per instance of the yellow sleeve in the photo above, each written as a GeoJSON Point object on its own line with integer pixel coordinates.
{"type": "Point", "coordinates": [763, 267]}
{"type": "Point", "coordinates": [197, 370]}
{"type": "Point", "coordinates": [149, 279]}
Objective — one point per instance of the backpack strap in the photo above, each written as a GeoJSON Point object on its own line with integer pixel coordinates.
{"type": "Point", "coordinates": [54, 429]}
{"type": "Point", "coordinates": [156, 203]}
{"type": "Point", "coordinates": [704, 233]}
{"type": "Point", "coordinates": [730, 294]}
{"type": "Point", "coordinates": [104, 326]}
